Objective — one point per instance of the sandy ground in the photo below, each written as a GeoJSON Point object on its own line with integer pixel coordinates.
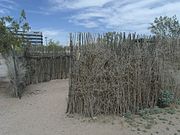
{"type": "Point", "coordinates": [41, 111]}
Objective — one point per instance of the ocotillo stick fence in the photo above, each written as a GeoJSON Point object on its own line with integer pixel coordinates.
{"type": "Point", "coordinates": [44, 64]}
{"type": "Point", "coordinates": [113, 73]}
{"type": "Point", "coordinates": [35, 64]}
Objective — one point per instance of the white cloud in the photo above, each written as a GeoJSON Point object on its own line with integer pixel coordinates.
{"type": "Point", "coordinates": [87, 23]}
{"type": "Point", "coordinates": [124, 15]}
{"type": "Point", "coordinates": [40, 12]}
{"type": "Point", "coordinates": [2, 11]}
{"type": "Point", "coordinates": [78, 4]}
{"type": "Point", "coordinates": [6, 6]}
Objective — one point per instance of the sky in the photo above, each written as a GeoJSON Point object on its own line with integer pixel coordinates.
{"type": "Point", "coordinates": [57, 18]}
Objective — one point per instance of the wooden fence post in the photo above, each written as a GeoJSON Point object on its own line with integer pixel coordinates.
{"type": "Point", "coordinates": [70, 77]}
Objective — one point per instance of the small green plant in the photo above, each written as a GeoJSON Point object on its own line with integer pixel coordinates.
{"type": "Point", "coordinates": [170, 111]}
{"type": "Point", "coordinates": [163, 119]}
{"type": "Point", "coordinates": [128, 115]}
{"type": "Point", "coordinates": [155, 110]}
{"type": "Point", "coordinates": [145, 113]}
{"type": "Point", "coordinates": [166, 98]}
{"type": "Point", "coordinates": [178, 101]}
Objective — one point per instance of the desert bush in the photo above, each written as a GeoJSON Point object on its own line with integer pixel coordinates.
{"type": "Point", "coordinates": [166, 98]}
{"type": "Point", "coordinates": [178, 101]}
{"type": "Point", "coordinates": [150, 111]}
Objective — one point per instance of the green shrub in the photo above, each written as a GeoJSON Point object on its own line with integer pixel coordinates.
{"type": "Point", "coordinates": [128, 115]}
{"type": "Point", "coordinates": [166, 98]}
{"type": "Point", "coordinates": [178, 101]}
{"type": "Point", "coordinates": [145, 113]}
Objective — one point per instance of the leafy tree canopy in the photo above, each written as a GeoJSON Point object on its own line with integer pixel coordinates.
{"type": "Point", "coordinates": [55, 45]}
{"type": "Point", "coordinates": [166, 27]}
{"type": "Point", "coordinates": [8, 28]}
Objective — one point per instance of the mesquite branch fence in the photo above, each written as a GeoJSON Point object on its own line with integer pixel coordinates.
{"type": "Point", "coordinates": [45, 64]}
{"type": "Point", "coordinates": [115, 73]}
{"type": "Point", "coordinates": [35, 64]}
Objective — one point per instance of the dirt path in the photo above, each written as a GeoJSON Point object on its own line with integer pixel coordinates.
{"type": "Point", "coordinates": [41, 111]}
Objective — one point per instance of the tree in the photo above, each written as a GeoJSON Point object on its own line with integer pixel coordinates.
{"type": "Point", "coordinates": [166, 27]}
{"type": "Point", "coordinates": [55, 45]}
{"type": "Point", "coordinates": [9, 44]}
{"type": "Point", "coordinates": [9, 27]}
